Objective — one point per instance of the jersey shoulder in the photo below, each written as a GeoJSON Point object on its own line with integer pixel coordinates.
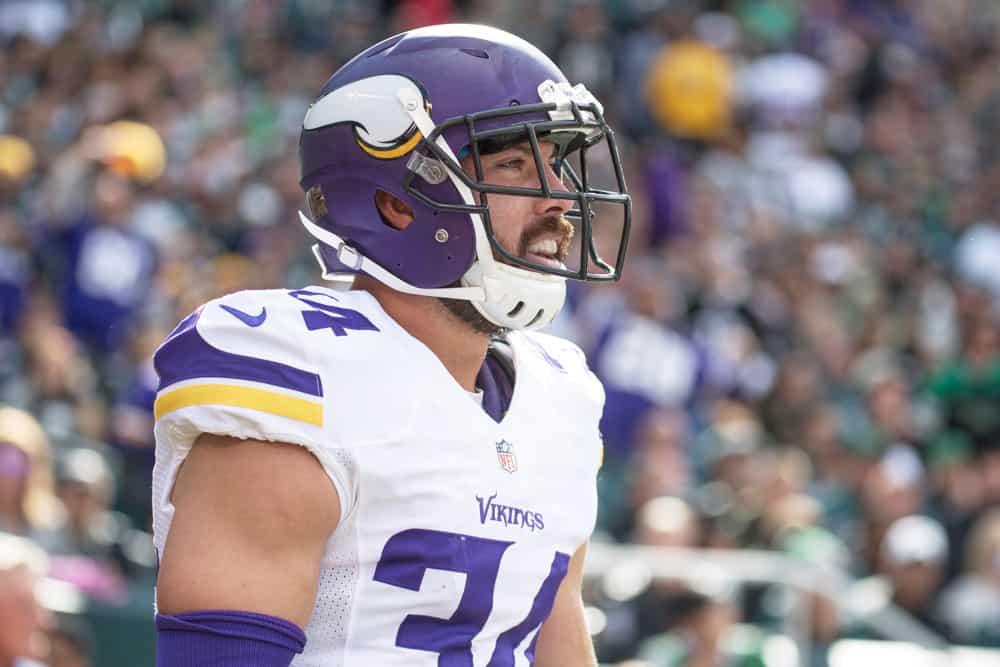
{"type": "Point", "coordinates": [249, 364]}
{"type": "Point", "coordinates": [558, 368]}
{"type": "Point", "coordinates": [232, 367]}
{"type": "Point", "coordinates": [244, 337]}
{"type": "Point", "coordinates": [562, 361]}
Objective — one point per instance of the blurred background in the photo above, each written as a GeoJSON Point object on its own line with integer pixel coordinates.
{"type": "Point", "coordinates": [802, 360]}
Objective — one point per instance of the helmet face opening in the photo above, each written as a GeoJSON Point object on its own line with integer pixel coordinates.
{"type": "Point", "coordinates": [585, 158]}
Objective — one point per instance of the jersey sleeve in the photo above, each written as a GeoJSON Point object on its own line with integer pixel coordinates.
{"type": "Point", "coordinates": [234, 367]}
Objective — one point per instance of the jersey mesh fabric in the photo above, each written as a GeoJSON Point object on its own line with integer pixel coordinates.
{"type": "Point", "coordinates": [164, 472]}
{"type": "Point", "coordinates": [331, 616]}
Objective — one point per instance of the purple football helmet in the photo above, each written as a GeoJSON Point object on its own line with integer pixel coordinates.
{"type": "Point", "coordinates": [398, 118]}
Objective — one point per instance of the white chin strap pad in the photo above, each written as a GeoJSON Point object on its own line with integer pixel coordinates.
{"type": "Point", "coordinates": [516, 298]}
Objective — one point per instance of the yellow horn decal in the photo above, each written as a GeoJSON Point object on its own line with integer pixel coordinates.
{"type": "Point", "coordinates": [391, 153]}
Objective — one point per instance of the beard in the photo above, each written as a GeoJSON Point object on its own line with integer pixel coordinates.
{"type": "Point", "coordinates": [467, 313]}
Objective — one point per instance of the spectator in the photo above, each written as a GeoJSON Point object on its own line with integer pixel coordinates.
{"type": "Point", "coordinates": [84, 484]}
{"type": "Point", "coordinates": [824, 552]}
{"type": "Point", "coordinates": [17, 161]}
{"type": "Point", "coordinates": [131, 435]}
{"type": "Point", "coordinates": [23, 621]}
{"type": "Point", "coordinates": [28, 505]}
{"type": "Point", "coordinates": [699, 633]}
{"type": "Point", "coordinates": [969, 387]}
{"type": "Point", "coordinates": [914, 554]}
{"type": "Point", "coordinates": [659, 467]}
{"type": "Point", "coordinates": [64, 392]}
{"type": "Point", "coordinates": [971, 605]}
{"type": "Point", "coordinates": [70, 643]}
{"type": "Point", "coordinates": [99, 304]}
{"type": "Point", "coordinates": [665, 521]}
{"type": "Point", "coordinates": [892, 489]}
{"type": "Point", "coordinates": [95, 547]}
{"type": "Point", "coordinates": [644, 362]}
{"type": "Point", "coordinates": [958, 492]}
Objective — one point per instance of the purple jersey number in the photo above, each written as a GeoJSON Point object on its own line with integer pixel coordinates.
{"type": "Point", "coordinates": [336, 319]}
{"type": "Point", "coordinates": [405, 558]}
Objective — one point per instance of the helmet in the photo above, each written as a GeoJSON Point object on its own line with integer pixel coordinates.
{"type": "Point", "coordinates": [399, 117]}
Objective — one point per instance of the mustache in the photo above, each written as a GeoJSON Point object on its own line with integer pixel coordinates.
{"type": "Point", "coordinates": [547, 226]}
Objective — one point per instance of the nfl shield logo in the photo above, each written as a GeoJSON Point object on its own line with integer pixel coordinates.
{"type": "Point", "coordinates": [505, 454]}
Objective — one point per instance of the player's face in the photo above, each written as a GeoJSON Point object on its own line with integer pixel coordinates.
{"type": "Point", "coordinates": [532, 228]}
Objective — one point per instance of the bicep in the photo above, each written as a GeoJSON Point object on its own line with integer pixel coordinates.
{"type": "Point", "coordinates": [564, 638]}
{"type": "Point", "coordinates": [251, 521]}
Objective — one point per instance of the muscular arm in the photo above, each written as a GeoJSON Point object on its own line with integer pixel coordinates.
{"type": "Point", "coordinates": [564, 638]}
{"type": "Point", "coordinates": [250, 525]}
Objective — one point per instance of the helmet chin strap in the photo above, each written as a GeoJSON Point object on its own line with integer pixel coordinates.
{"type": "Point", "coordinates": [514, 298]}
{"type": "Point", "coordinates": [496, 298]}
{"type": "Point", "coordinates": [350, 257]}
{"type": "Point", "coordinates": [517, 298]}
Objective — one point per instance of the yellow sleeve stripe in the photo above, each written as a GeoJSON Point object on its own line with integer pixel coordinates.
{"type": "Point", "coordinates": [238, 396]}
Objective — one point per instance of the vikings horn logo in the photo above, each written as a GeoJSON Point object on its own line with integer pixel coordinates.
{"type": "Point", "coordinates": [385, 132]}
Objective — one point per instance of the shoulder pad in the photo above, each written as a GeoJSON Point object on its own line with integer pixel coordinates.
{"type": "Point", "coordinates": [239, 351]}
{"type": "Point", "coordinates": [565, 358]}
{"type": "Point", "coordinates": [561, 354]}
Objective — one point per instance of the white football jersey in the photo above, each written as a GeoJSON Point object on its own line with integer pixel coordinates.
{"type": "Point", "coordinates": [455, 530]}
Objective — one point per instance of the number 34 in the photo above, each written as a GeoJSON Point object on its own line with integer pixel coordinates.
{"type": "Point", "coordinates": [405, 558]}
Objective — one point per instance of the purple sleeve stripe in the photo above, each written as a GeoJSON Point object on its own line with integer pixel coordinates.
{"type": "Point", "coordinates": [185, 355]}
{"type": "Point", "coordinates": [226, 639]}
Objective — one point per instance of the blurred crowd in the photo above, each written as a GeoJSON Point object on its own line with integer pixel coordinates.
{"type": "Point", "coordinates": [803, 355]}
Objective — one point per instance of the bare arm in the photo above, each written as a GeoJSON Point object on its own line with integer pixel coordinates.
{"type": "Point", "coordinates": [564, 638]}
{"type": "Point", "coordinates": [251, 522]}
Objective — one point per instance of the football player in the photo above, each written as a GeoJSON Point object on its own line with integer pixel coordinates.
{"type": "Point", "coordinates": [401, 473]}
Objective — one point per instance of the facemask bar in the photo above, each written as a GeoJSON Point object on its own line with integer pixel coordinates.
{"type": "Point", "coordinates": [596, 130]}
{"type": "Point", "coordinates": [580, 183]}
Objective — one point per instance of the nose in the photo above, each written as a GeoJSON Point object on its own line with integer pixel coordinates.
{"type": "Point", "coordinates": [553, 205]}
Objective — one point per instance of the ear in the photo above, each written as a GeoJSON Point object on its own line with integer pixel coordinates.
{"type": "Point", "coordinates": [393, 210]}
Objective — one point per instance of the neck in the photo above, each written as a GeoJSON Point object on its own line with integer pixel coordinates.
{"type": "Point", "coordinates": [455, 343]}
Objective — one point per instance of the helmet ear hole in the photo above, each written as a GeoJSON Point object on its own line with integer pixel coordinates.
{"type": "Point", "coordinates": [516, 309]}
{"type": "Point", "coordinates": [393, 210]}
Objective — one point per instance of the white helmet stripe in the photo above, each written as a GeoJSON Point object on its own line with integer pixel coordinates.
{"type": "Point", "coordinates": [364, 104]}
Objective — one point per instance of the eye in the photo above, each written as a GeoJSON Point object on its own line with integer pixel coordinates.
{"type": "Point", "coordinates": [514, 163]}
